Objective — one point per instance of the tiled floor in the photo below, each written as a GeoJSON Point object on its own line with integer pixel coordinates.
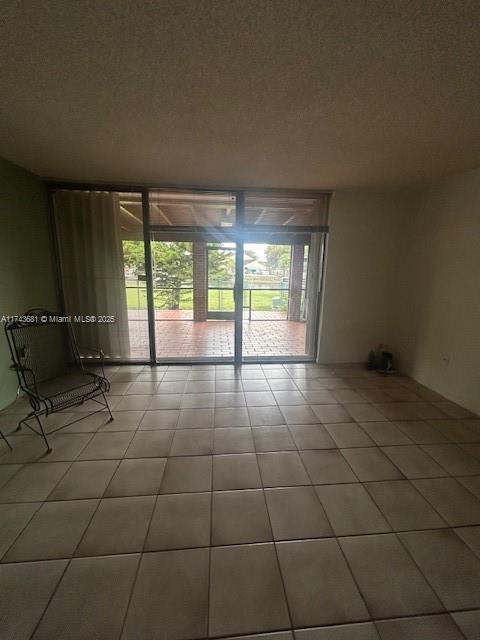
{"type": "Point", "coordinates": [321, 502]}
{"type": "Point", "coordinates": [215, 338]}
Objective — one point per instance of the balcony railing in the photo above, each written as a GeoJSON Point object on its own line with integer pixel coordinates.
{"type": "Point", "coordinates": [220, 299]}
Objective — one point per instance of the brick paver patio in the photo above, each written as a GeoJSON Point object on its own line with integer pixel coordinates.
{"type": "Point", "coordinates": [264, 335]}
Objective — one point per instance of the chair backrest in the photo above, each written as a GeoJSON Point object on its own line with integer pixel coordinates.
{"type": "Point", "coordinates": [41, 346]}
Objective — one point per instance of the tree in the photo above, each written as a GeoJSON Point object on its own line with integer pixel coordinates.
{"type": "Point", "coordinates": [221, 266]}
{"type": "Point", "coordinates": [277, 256]}
{"type": "Point", "coordinates": [134, 256]}
{"type": "Point", "coordinates": [172, 269]}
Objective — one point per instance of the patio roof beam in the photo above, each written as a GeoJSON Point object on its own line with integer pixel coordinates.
{"type": "Point", "coordinates": [164, 215]}
{"type": "Point", "coordinates": [130, 214]}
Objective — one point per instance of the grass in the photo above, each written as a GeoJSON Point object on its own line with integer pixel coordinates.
{"type": "Point", "coordinates": [217, 300]}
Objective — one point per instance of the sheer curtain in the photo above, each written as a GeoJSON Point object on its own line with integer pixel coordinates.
{"type": "Point", "coordinates": [91, 261]}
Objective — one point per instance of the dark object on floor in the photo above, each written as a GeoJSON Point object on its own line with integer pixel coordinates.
{"type": "Point", "coordinates": [50, 370]}
{"type": "Point", "coordinates": [381, 360]}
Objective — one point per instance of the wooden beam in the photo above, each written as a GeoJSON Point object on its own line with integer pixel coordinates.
{"type": "Point", "coordinates": [164, 215]}
{"type": "Point", "coordinates": [130, 214]}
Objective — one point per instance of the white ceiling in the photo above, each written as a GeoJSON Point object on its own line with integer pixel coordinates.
{"type": "Point", "coordinates": [273, 93]}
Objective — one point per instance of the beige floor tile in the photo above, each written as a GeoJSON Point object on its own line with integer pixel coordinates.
{"type": "Point", "coordinates": [449, 565]}
{"type": "Point", "coordinates": [403, 505]}
{"type": "Point", "coordinates": [265, 416]}
{"type": "Point", "coordinates": [469, 623]}
{"type": "Point", "coordinates": [349, 434]}
{"type": "Point", "coordinates": [233, 440]}
{"type": "Point", "coordinates": [192, 442]}
{"type": "Point", "coordinates": [33, 482]}
{"type": "Point", "coordinates": [262, 398]}
{"type": "Point", "coordinates": [25, 589]}
{"type": "Point", "coordinates": [272, 439]}
{"type": "Point", "coordinates": [104, 446]}
{"type": "Point", "coordinates": [165, 401]}
{"type": "Point", "coordinates": [295, 513]}
{"type": "Point", "coordinates": [240, 517]}
{"type": "Point", "coordinates": [137, 477]}
{"type": "Point", "coordinates": [133, 403]}
{"type": "Point", "coordinates": [13, 519]}
{"type": "Point", "coordinates": [364, 412]}
{"type": "Point", "coordinates": [311, 436]}
{"type": "Point", "coordinates": [188, 474]}
{"type": "Point", "coordinates": [85, 479]}
{"type": "Point", "coordinates": [118, 526]}
{"type": "Point", "coordinates": [282, 469]}
{"type": "Point", "coordinates": [123, 421]}
{"type": "Point", "coordinates": [91, 599]}
{"type": "Point", "coordinates": [437, 627]}
{"type": "Point", "coordinates": [287, 398]}
{"type": "Point", "coordinates": [231, 399]}
{"type": "Point", "coordinates": [413, 462]}
{"type": "Point", "coordinates": [385, 433]}
{"type": "Point", "coordinates": [246, 593]}
{"type": "Point", "coordinates": [421, 432]}
{"type": "Point", "coordinates": [7, 471]}
{"type": "Point", "coordinates": [454, 459]}
{"type": "Point", "coordinates": [195, 419]}
{"type": "Point", "coordinates": [472, 483]}
{"type": "Point", "coordinates": [360, 631]}
{"type": "Point", "coordinates": [371, 464]}
{"type": "Point", "coordinates": [180, 521]}
{"type": "Point", "coordinates": [471, 537]}
{"type": "Point", "coordinates": [53, 532]}
{"type": "Point", "coordinates": [198, 400]}
{"type": "Point", "coordinates": [327, 467]}
{"type": "Point", "coordinates": [350, 510]}
{"type": "Point", "coordinates": [301, 414]}
{"type": "Point", "coordinates": [320, 588]}
{"type": "Point", "coordinates": [171, 595]}
{"type": "Point", "coordinates": [398, 410]}
{"type": "Point", "coordinates": [330, 413]}
{"type": "Point", "coordinates": [161, 419]}
{"type": "Point", "coordinates": [452, 501]}
{"type": "Point", "coordinates": [388, 578]}
{"type": "Point", "coordinates": [232, 417]}
{"type": "Point", "coordinates": [150, 444]}
{"type": "Point", "coordinates": [235, 471]}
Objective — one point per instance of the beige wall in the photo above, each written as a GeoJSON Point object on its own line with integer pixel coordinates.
{"type": "Point", "coordinates": [27, 276]}
{"type": "Point", "coordinates": [362, 257]}
{"type": "Point", "coordinates": [404, 269]}
{"type": "Point", "coordinates": [436, 321]}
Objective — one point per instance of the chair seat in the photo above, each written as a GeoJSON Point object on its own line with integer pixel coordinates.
{"type": "Point", "coordinates": [71, 390]}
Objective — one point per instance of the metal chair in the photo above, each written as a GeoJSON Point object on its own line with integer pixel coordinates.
{"type": "Point", "coordinates": [50, 369]}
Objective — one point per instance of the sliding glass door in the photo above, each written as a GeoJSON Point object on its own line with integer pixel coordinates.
{"type": "Point", "coordinates": [193, 276]}
{"type": "Point", "coordinates": [279, 309]}
{"type": "Point", "coordinates": [193, 293]}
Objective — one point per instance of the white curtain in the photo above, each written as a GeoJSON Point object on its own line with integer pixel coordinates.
{"type": "Point", "coordinates": [91, 261]}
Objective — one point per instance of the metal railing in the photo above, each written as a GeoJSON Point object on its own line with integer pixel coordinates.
{"type": "Point", "coordinates": [280, 304]}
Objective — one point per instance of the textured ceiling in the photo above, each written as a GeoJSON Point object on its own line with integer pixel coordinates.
{"type": "Point", "coordinates": [275, 93]}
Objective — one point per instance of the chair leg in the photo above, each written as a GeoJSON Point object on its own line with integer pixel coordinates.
{"type": "Point", "coordinates": [49, 448]}
{"type": "Point", "coordinates": [8, 443]}
{"type": "Point", "coordinates": [106, 404]}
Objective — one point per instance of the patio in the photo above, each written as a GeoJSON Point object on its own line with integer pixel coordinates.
{"type": "Point", "coordinates": [267, 334]}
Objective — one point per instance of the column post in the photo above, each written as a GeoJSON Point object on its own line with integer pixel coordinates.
{"type": "Point", "coordinates": [200, 292]}
{"type": "Point", "coordinates": [295, 283]}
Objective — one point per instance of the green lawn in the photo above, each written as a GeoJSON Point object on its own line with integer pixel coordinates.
{"type": "Point", "coordinates": [218, 300]}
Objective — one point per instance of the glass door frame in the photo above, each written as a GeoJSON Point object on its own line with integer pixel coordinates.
{"type": "Point", "coordinates": [239, 234]}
